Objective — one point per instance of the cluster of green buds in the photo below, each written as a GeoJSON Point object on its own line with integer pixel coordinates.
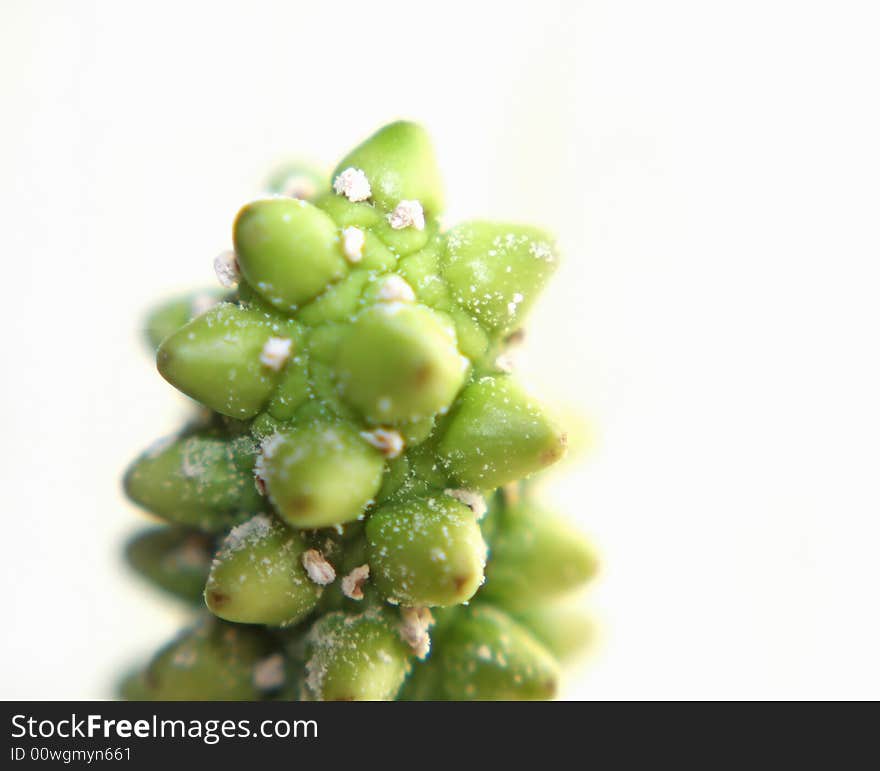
{"type": "Point", "coordinates": [349, 503]}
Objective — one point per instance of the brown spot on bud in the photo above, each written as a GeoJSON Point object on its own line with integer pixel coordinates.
{"type": "Point", "coordinates": [217, 599]}
{"type": "Point", "coordinates": [553, 454]}
{"type": "Point", "coordinates": [423, 375]}
{"type": "Point", "coordinates": [301, 504]}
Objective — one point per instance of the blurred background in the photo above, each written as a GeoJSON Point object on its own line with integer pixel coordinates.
{"type": "Point", "coordinates": [712, 172]}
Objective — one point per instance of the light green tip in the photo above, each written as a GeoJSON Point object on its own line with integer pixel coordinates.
{"type": "Point", "coordinates": [320, 474]}
{"type": "Point", "coordinates": [173, 558]}
{"type": "Point", "coordinates": [218, 359]}
{"type": "Point", "coordinates": [399, 362]}
{"type": "Point", "coordinates": [400, 164]}
{"type": "Point", "coordinates": [486, 655]}
{"type": "Point", "coordinates": [212, 662]}
{"type": "Point", "coordinates": [288, 250]}
{"type": "Point", "coordinates": [258, 576]}
{"type": "Point", "coordinates": [496, 271]}
{"type": "Point", "coordinates": [536, 557]}
{"type": "Point", "coordinates": [426, 551]}
{"type": "Point", "coordinates": [355, 658]}
{"type": "Point", "coordinates": [497, 434]}
{"type": "Point", "coordinates": [199, 481]}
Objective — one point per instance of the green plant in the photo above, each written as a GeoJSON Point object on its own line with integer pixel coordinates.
{"type": "Point", "coordinates": [348, 500]}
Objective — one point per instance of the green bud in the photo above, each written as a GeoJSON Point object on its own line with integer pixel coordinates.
{"type": "Point", "coordinates": [258, 576]}
{"type": "Point", "coordinates": [536, 557]}
{"type": "Point", "coordinates": [498, 434]}
{"type": "Point", "coordinates": [486, 655]}
{"type": "Point", "coordinates": [218, 359]}
{"type": "Point", "coordinates": [399, 362]}
{"type": "Point", "coordinates": [496, 271]}
{"type": "Point", "coordinates": [355, 658]}
{"type": "Point", "coordinates": [426, 551]}
{"type": "Point", "coordinates": [400, 165]}
{"type": "Point", "coordinates": [288, 250]}
{"type": "Point", "coordinates": [167, 318]}
{"type": "Point", "coordinates": [175, 559]}
{"type": "Point", "coordinates": [320, 474]}
{"type": "Point", "coordinates": [212, 662]}
{"type": "Point", "coordinates": [196, 481]}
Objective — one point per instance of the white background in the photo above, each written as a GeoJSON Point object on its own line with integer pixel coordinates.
{"type": "Point", "coordinates": [712, 170]}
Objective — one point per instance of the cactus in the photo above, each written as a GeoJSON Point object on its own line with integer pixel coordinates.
{"type": "Point", "coordinates": [350, 500]}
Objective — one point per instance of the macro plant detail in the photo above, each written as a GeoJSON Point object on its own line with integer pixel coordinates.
{"type": "Point", "coordinates": [351, 502]}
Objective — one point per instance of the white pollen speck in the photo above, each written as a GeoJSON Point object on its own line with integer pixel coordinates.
{"type": "Point", "coordinates": [407, 214]}
{"type": "Point", "coordinates": [389, 441]}
{"type": "Point", "coordinates": [353, 184]}
{"type": "Point", "coordinates": [276, 352]}
{"type": "Point", "coordinates": [511, 306]}
{"type": "Point", "coordinates": [353, 583]}
{"type": "Point", "coordinates": [470, 498]}
{"type": "Point", "coordinates": [414, 626]}
{"type": "Point", "coordinates": [541, 251]}
{"type": "Point", "coordinates": [269, 672]}
{"type": "Point", "coordinates": [319, 570]}
{"type": "Point", "coordinates": [395, 289]}
{"type": "Point", "coordinates": [353, 243]}
{"type": "Point", "coordinates": [226, 268]}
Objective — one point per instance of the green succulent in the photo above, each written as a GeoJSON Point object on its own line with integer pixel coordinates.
{"type": "Point", "coordinates": [349, 502]}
